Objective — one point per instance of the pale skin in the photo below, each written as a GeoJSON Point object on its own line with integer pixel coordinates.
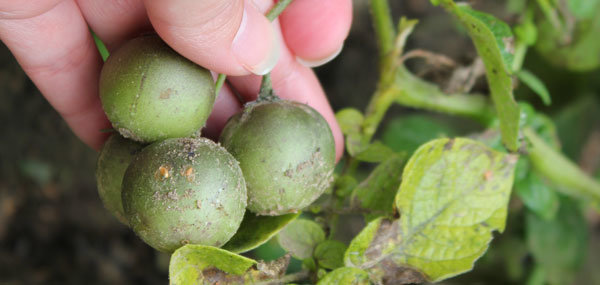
{"type": "Point", "coordinates": [52, 42]}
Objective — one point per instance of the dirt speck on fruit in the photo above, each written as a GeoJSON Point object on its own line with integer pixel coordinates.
{"type": "Point", "coordinates": [163, 172]}
{"type": "Point", "coordinates": [166, 94]}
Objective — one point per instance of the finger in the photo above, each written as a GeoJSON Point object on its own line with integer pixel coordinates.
{"type": "Point", "coordinates": [315, 30]}
{"type": "Point", "coordinates": [115, 21]}
{"type": "Point", "coordinates": [294, 81]}
{"type": "Point", "coordinates": [226, 36]}
{"type": "Point", "coordinates": [226, 105]}
{"type": "Point", "coordinates": [57, 52]}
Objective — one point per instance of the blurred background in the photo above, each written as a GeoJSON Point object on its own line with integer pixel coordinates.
{"type": "Point", "coordinates": [54, 229]}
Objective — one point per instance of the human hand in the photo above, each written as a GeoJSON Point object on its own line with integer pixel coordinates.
{"type": "Point", "coordinates": [52, 42]}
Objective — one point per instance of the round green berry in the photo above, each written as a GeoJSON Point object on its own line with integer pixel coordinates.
{"type": "Point", "coordinates": [184, 190]}
{"type": "Point", "coordinates": [149, 92]}
{"type": "Point", "coordinates": [113, 160]}
{"type": "Point", "coordinates": [287, 154]}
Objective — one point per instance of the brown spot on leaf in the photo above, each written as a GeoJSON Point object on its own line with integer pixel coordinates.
{"type": "Point", "coordinates": [400, 274]}
{"type": "Point", "coordinates": [509, 44]}
{"type": "Point", "coordinates": [449, 144]}
{"type": "Point", "coordinates": [488, 175]}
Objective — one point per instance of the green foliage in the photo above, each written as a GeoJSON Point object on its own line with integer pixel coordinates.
{"type": "Point", "coordinates": [406, 134]}
{"type": "Point", "coordinates": [330, 254]}
{"type": "Point", "coordinates": [199, 263]}
{"type": "Point", "coordinates": [376, 193]}
{"type": "Point", "coordinates": [432, 217]}
{"type": "Point", "coordinates": [300, 238]}
{"type": "Point", "coordinates": [572, 44]}
{"type": "Point", "coordinates": [568, 178]}
{"type": "Point", "coordinates": [375, 152]}
{"type": "Point", "coordinates": [351, 121]}
{"type": "Point", "coordinates": [454, 193]}
{"type": "Point", "coordinates": [559, 246]}
{"type": "Point", "coordinates": [535, 84]}
{"type": "Point", "coordinates": [256, 230]}
{"type": "Point", "coordinates": [583, 9]}
{"type": "Point", "coordinates": [493, 40]}
{"type": "Point", "coordinates": [575, 122]}
{"type": "Point", "coordinates": [538, 196]}
{"type": "Point", "coordinates": [346, 275]}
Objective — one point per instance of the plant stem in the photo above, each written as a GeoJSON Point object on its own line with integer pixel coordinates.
{"type": "Point", "coordinates": [277, 9]}
{"type": "Point", "coordinates": [384, 27]}
{"type": "Point", "coordinates": [271, 16]}
{"type": "Point", "coordinates": [266, 90]}
{"type": "Point", "coordinates": [220, 81]}
{"type": "Point", "coordinates": [555, 167]}
{"type": "Point", "coordinates": [398, 85]}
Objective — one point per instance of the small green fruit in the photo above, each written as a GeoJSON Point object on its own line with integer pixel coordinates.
{"type": "Point", "coordinates": [287, 154]}
{"type": "Point", "coordinates": [149, 92]}
{"type": "Point", "coordinates": [184, 190]}
{"type": "Point", "coordinates": [114, 158]}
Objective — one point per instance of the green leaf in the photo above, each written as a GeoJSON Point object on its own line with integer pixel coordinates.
{"type": "Point", "coordinates": [574, 47]}
{"type": "Point", "coordinates": [375, 152]}
{"type": "Point", "coordinates": [559, 246]}
{"type": "Point", "coordinates": [583, 9]}
{"type": "Point", "coordinates": [535, 84]}
{"type": "Point", "coordinates": [198, 263]}
{"type": "Point", "coordinates": [575, 122]}
{"type": "Point", "coordinates": [256, 230]}
{"type": "Point", "coordinates": [526, 32]}
{"type": "Point", "coordinates": [560, 171]}
{"type": "Point", "coordinates": [345, 185]}
{"type": "Point", "coordinates": [300, 238]}
{"type": "Point", "coordinates": [406, 134]}
{"type": "Point", "coordinates": [351, 121]}
{"type": "Point", "coordinates": [346, 275]}
{"type": "Point", "coordinates": [493, 40]}
{"type": "Point", "coordinates": [453, 195]}
{"type": "Point", "coordinates": [330, 254]}
{"type": "Point", "coordinates": [537, 196]}
{"type": "Point", "coordinates": [376, 193]}
{"type": "Point", "coordinates": [540, 123]}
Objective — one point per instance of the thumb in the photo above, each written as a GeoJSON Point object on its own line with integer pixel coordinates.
{"type": "Point", "coordinates": [226, 36]}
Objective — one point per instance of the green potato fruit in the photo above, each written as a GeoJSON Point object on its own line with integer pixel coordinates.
{"type": "Point", "coordinates": [113, 160]}
{"type": "Point", "coordinates": [287, 154]}
{"type": "Point", "coordinates": [184, 190]}
{"type": "Point", "coordinates": [149, 92]}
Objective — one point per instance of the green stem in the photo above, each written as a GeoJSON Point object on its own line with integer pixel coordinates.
{"type": "Point", "coordinates": [384, 28]}
{"type": "Point", "coordinates": [411, 91]}
{"type": "Point", "coordinates": [558, 169]}
{"type": "Point", "coordinates": [266, 90]}
{"type": "Point", "coordinates": [220, 81]}
{"type": "Point", "coordinates": [520, 52]}
{"type": "Point", "coordinates": [271, 16]}
{"type": "Point", "coordinates": [277, 9]}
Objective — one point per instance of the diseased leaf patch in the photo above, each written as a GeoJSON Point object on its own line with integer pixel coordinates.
{"type": "Point", "coordinates": [454, 194]}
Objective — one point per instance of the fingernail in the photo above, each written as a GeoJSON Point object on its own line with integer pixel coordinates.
{"type": "Point", "coordinates": [319, 62]}
{"type": "Point", "coordinates": [255, 45]}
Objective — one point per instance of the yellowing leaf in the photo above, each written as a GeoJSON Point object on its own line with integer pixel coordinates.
{"type": "Point", "coordinates": [453, 195]}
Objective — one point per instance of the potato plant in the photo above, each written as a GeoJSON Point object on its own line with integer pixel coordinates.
{"type": "Point", "coordinates": [430, 204]}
